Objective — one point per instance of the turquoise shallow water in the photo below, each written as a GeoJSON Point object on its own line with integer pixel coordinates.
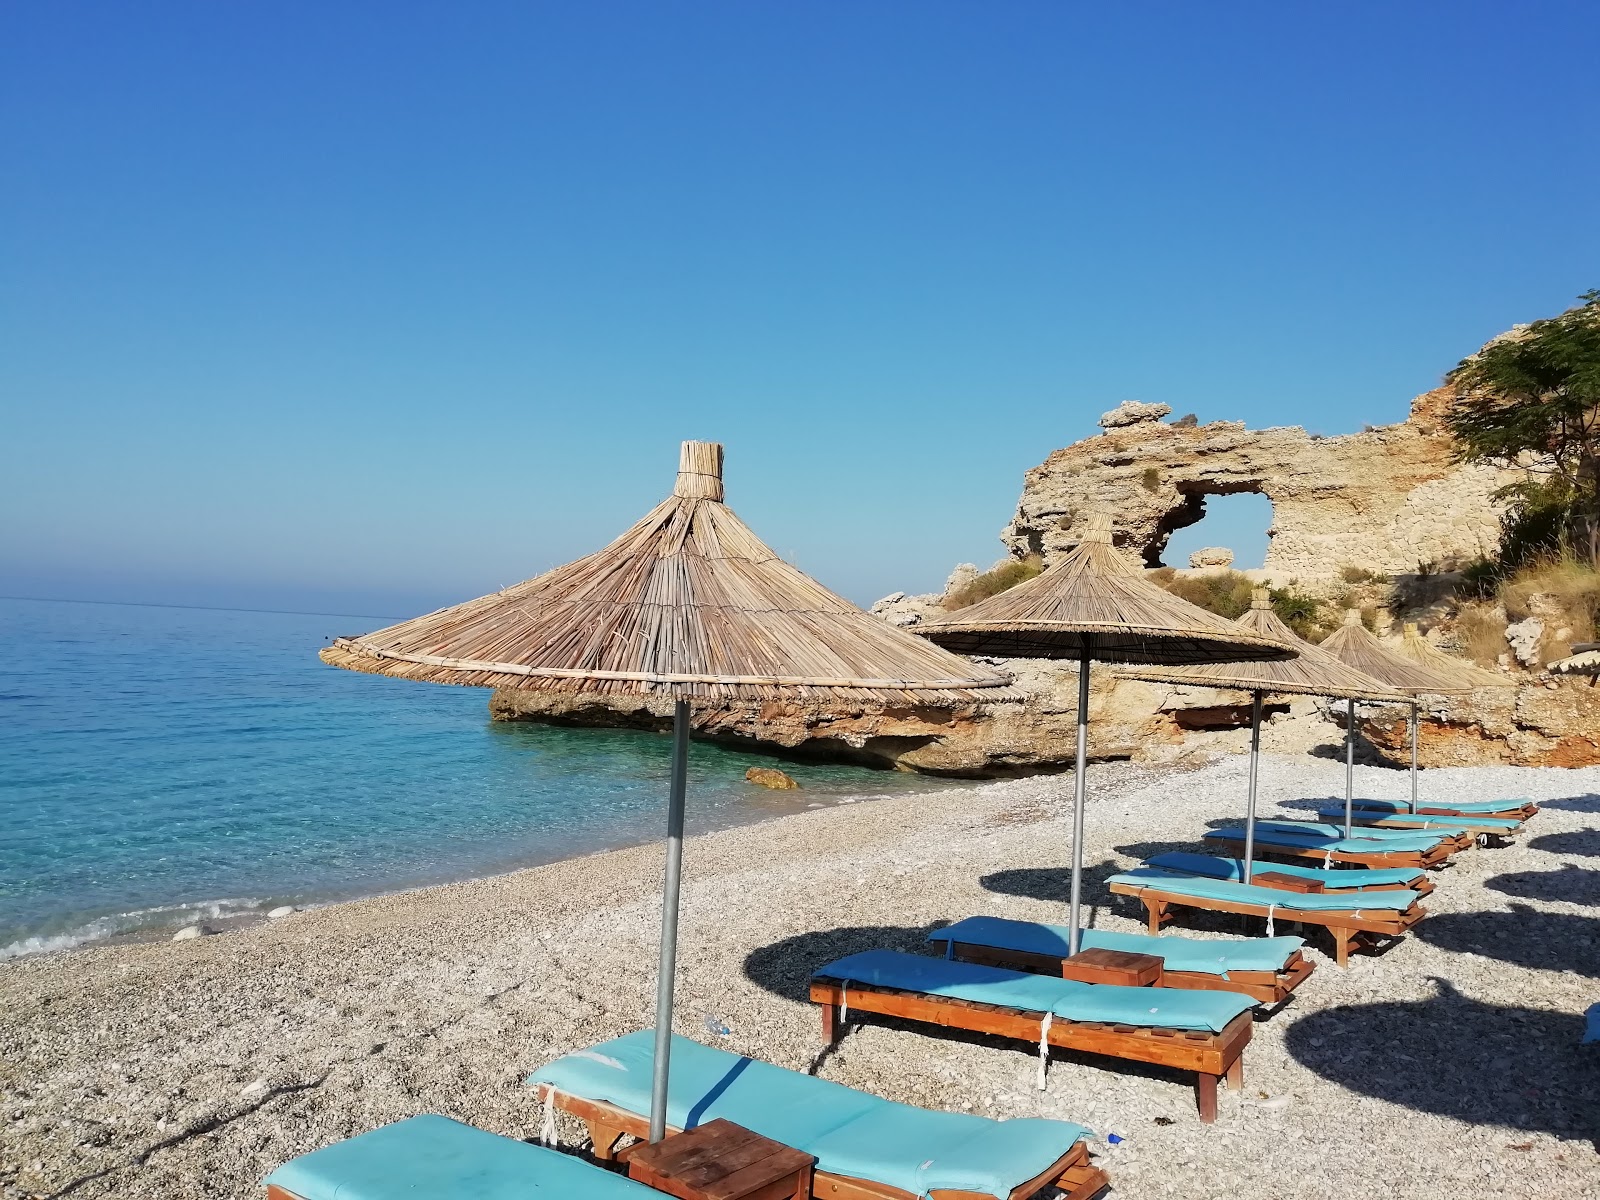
{"type": "Point", "coordinates": [159, 765]}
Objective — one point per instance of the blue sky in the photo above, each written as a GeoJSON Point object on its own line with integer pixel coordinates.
{"type": "Point", "coordinates": [373, 307]}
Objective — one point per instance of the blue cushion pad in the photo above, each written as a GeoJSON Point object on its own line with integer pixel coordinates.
{"type": "Point", "coordinates": [1421, 820]}
{"type": "Point", "coordinates": [1233, 868]}
{"type": "Point", "coordinates": [1149, 1008]}
{"type": "Point", "coordinates": [446, 1160]}
{"type": "Point", "coordinates": [1300, 838]}
{"type": "Point", "coordinates": [1418, 839]}
{"type": "Point", "coordinates": [1287, 903]}
{"type": "Point", "coordinates": [1213, 956]}
{"type": "Point", "coordinates": [850, 1132]}
{"type": "Point", "coordinates": [1457, 806]}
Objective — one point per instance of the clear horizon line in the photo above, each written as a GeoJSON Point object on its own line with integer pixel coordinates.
{"type": "Point", "coordinates": [281, 612]}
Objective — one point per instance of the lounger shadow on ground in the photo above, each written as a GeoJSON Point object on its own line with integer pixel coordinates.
{"type": "Point", "coordinates": [1055, 883]}
{"type": "Point", "coordinates": [1574, 885]}
{"type": "Point", "coordinates": [1525, 1066]}
{"type": "Point", "coordinates": [1585, 842]}
{"type": "Point", "coordinates": [1524, 936]}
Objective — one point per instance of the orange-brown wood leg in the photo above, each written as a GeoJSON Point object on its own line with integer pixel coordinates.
{"type": "Point", "coordinates": [1205, 1094]}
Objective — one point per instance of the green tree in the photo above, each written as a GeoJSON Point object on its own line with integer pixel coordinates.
{"type": "Point", "coordinates": [1531, 400]}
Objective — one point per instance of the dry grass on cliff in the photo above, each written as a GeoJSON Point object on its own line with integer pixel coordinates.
{"type": "Point", "coordinates": [994, 581]}
{"type": "Point", "coordinates": [1565, 584]}
{"type": "Point", "coordinates": [1481, 630]}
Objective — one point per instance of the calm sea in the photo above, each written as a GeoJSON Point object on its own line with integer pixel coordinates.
{"type": "Point", "coordinates": [160, 766]}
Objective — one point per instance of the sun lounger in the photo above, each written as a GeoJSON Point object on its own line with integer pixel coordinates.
{"type": "Point", "coordinates": [1456, 838]}
{"type": "Point", "coordinates": [1368, 918]}
{"type": "Point", "coordinates": [1517, 810]}
{"type": "Point", "coordinates": [1503, 828]}
{"type": "Point", "coordinates": [1359, 879]}
{"type": "Point", "coordinates": [1204, 1032]}
{"type": "Point", "coordinates": [1265, 969]}
{"type": "Point", "coordinates": [866, 1148]}
{"type": "Point", "coordinates": [1427, 851]}
{"type": "Point", "coordinates": [441, 1159]}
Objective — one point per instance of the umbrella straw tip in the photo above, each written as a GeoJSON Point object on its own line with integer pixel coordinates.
{"type": "Point", "coordinates": [1098, 527]}
{"type": "Point", "coordinates": [1260, 598]}
{"type": "Point", "coordinates": [699, 471]}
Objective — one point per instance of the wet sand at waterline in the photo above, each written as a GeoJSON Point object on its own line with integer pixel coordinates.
{"type": "Point", "coordinates": [1450, 1064]}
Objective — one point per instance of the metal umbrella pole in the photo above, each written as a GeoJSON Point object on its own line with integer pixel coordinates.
{"type": "Point", "coordinates": [1250, 808]}
{"type": "Point", "coordinates": [1349, 766]}
{"type": "Point", "coordinates": [669, 920]}
{"type": "Point", "coordinates": [1078, 796]}
{"type": "Point", "coordinates": [1414, 724]}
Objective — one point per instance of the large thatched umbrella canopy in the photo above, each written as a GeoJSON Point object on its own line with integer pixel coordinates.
{"type": "Point", "coordinates": [1095, 605]}
{"type": "Point", "coordinates": [1314, 673]}
{"type": "Point", "coordinates": [688, 603]}
{"type": "Point", "coordinates": [1352, 644]}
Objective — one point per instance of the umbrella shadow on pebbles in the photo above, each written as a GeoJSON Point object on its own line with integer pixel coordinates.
{"type": "Point", "coordinates": [1584, 842]}
{"type": "Point", "coordinates": [1524, 936]}
{"type": "Point", "coordinates": [1570, 884]}
{"type": "Point", "coordinates": [1451, 1056]}
{"type": "Point", "coordinates": [1054, 883]}
{"type": "Point", "coordinates": [1587, 803]}
{"type": "Point", "coordinates": [785, 967]}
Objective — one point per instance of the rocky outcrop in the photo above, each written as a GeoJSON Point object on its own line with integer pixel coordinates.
{"type": "Point", "coordinates": [1545, 723]}
{"type": "Point", "coordinates": [1385, 500]}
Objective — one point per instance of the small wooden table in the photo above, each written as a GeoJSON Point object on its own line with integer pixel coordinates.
{"type": "Point", "coordinates": [1286, 883]}
{"type": "Point", "coordinates": [1113, 966]}
{"type": "Point", "coordinates": [721, 1161]}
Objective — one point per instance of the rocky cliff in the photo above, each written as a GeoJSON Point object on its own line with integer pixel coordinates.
{"type": "Point", "coordinates": [1384, 500]}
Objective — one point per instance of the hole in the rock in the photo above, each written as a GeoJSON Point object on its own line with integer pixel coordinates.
{"type": "Point", "coordinates": [1238, 522]}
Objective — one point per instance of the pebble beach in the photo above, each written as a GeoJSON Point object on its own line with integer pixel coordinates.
{"type": "Point", "coordinates": [1449, 1064]}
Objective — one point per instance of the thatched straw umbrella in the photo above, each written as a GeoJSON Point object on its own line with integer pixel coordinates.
{"type": "Point", "coordinates": [1314, 673]}
{"type": "Point", "coordinates": [1418, 649]}
{"type": "Point", "coordinates": [1095, 605]}
{"type": "Point", "coordinates": [1352, 644]}
{"type": "Point", "coordinates": [690, 604]}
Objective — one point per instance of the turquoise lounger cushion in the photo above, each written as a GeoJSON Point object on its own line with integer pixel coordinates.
{"type": "Point", "coordinates": [1396, 839]}
{"type": "Point", "coordinates": [1212, 956]}
{"type": "Point", "coordinates": [1233, 868]}
{"type": "Point", "coordinates": [1455, 806]}
{"type": "Point", "coordinates": [1311, 836]}
{"type": "Point", "coordinates": [850, 1132]}
{"type": "Point", "coordinates": [1150, 1008]}
{"type": "Point", "coordinates": [1287, 903]}
{"type": "Point", "coordinates": [1423, 820]}
{"type": "Point", "coordinates": [446, 1160]}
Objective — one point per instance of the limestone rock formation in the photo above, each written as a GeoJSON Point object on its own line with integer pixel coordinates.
{"type": "Point", "coordinates": [1212, 556]}
{"type": "Point", "coordinates": [1386, 499]}
{"type": "Point", "coordinates": [1545, 723]}
{"type": "Point", "coordinates": [1133, 412]}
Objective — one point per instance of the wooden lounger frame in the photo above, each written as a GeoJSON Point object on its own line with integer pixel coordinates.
{"type": "Point", "coordinates": [1212, 1056]}
{"type": "Point", "coordinates": [1267, 987]}
{"type": "Point", "coordinates": [1435, 857]}
{"type": "Point", "coordinates": [1072, 1173]}
{"type": "Point", "coordinates": [1351, 929]}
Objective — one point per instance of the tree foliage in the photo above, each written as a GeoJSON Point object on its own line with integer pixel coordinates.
{"type": "Point", "coordinates": [1531, 400]}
